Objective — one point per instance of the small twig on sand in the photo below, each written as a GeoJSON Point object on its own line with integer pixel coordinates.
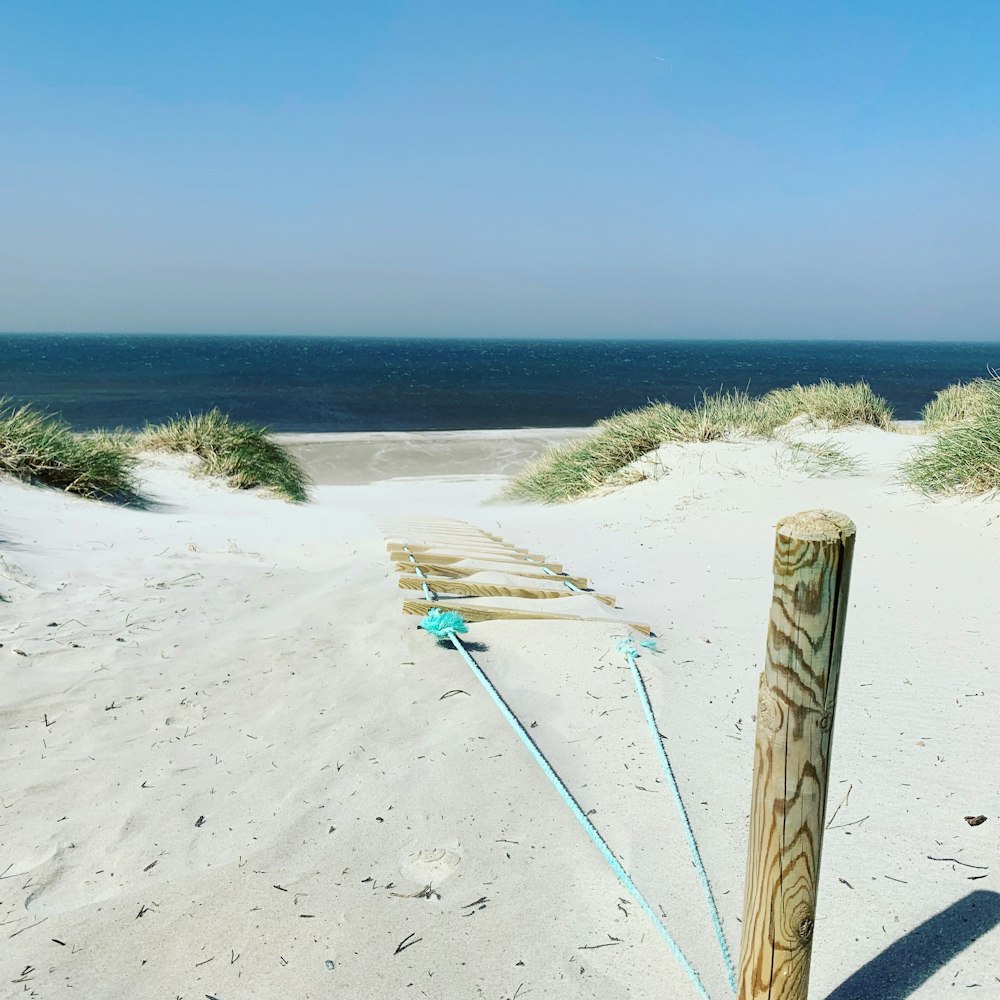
{"type": "Point", "coordinates": [28, 928]}
{"type": "Point", "coordinates": [406, 943]}
{"type": "Point", "coordinates": [843, 802]}
{"type": "Point", "coordinates": [428, 892]}
{"type": "Point", "coordinates": [964, 864]}
{"type": "Point", "coordinates": [606, 944]}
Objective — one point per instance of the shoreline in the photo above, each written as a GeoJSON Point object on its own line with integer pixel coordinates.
{"type": "Point", "coordinates": [334, 437]}
{"type": "Point", "coordinates": [354, 458]}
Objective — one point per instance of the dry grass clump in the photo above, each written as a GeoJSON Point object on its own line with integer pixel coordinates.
{"type": "Point", "coordinates": [823, 458]}
{"type": "Point", "coordinates": [118, 437]}
{"type": "Point", "coordinates": [42, 449]}
{"type": "Point", "coordinates": [242, 454]}
{"type": "Point", "coordinates": [965, 455]}
{"type": "Point", "coordinates": [716, 416]}
{"type": "Point", "coordinates": [961, 403]}
{"type": "Point", "coordinates": [836, 405]}
{"type": "Point", "coordinates": [580, 467]}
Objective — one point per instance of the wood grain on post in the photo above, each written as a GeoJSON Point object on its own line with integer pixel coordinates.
{"type": "Point", "coordinates": [795, 713]}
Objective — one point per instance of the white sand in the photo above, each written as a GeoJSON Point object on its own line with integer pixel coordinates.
{"type": "Point", "coordinates": [239, 659]}
{"type": "Point", "coordinates": [343, 459]}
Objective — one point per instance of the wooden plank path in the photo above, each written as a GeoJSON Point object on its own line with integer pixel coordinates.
{"type": "Point", "coordinates": [464, 588]}
{"type": "Point", "coordinates": [481, 613]}
{"type": "Point", "coordinates": [456, 571]}
{"type": "Point", "coordinates": [441, 554]}
{"type": "Point", "coordinates": [396, 554]}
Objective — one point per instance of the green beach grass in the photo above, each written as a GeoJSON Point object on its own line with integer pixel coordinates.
{"type": "Point", "coordinates": [580, 467]}
{"type": "Point", "coordinates": [962, 403]}
{"type": "Point", "coordinates": [41, 449]}
{"type": "Point", "coordinates": [240, 453]}
{"type": "Point", "coordinates": [964, 458]}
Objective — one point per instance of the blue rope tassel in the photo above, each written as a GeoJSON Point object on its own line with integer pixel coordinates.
{"type": "Point", "coordinates": [443, 625]}
{"type": "Point", "coordinates": [626, 647]}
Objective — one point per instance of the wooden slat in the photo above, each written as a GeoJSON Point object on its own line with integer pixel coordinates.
{"type": "Point", "coordinates": [410, 529]}
{"type": "Point", "coordinates": [472, 549]}
{"type": "Point", "coordinates": [466, 588]}
{"type": "Point", "coordinates": [453, 572]}
{"type": "Point", "coordinates": [428, 537]}
{"type": "Point", "coordinates": [423, 537]}
{"type": "Point", "coordinates": [446, 558]}
{"type": "Point", "coordinates": [397, 548]}
{"type": "Point", "coordinates": [431, 543]}
{"type": "Point", "coordinates": [481, 613]}
{"type": "Point", "coordinates": [529, 558]}
{"type": "Point", "coordinates": [444, 522]}
{"type": "Point", "coordinates": [416, 535]}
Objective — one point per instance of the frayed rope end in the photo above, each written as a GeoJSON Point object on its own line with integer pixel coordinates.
{"type": "Point", "coordinates": [443, 624]}
{"type": "Point", "coordinates": [626, 646]}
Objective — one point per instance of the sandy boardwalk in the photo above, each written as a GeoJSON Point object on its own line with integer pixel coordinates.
{"type": "Point", "coordinates": [232, 769]}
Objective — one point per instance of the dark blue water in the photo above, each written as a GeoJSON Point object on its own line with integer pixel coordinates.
{"type": "Point", "coordinates": [359, 384]}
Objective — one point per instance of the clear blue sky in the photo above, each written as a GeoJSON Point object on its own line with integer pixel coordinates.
{"type": "Point", "coordinates": [691, 168]}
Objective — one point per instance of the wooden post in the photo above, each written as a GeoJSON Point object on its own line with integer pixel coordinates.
{"type": "Point", "coordinates": [795, 712]}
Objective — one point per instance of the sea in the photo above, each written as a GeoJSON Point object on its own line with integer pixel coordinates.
{"type": "Point", "coordinates": [335, 384]}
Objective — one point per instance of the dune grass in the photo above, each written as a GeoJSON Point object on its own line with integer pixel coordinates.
{"type": "Point", "coordinates": [964, 457]}
{"type": "Point", "coordinates": [581, 467]}
{"type": "Point", "coordinates": [42, 449]}
{"type": "Point", "coordinates": [240, 453]}
{"type": "Point", "coordinates": [836, 405]}
{"type": "Point", "coordinates": [823, 458]}
{"type": "Point", "coordinates": [962, 403]}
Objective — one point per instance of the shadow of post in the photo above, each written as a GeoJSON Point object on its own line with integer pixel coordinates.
{"type": "Point", "coordinates": [906, 965]}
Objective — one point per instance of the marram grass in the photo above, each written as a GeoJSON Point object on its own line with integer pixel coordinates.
{"type": "Point", "coordinates": [823, 458]}
{"type": "Point", "coordinates": [836, 405]}
{"type": "Point", "coordinates": [242, 454]}
{"type": "Point", "coordinates": [42, 449]}
{"type": "Point", "coordinates": [964, 457]}
{"type": "Point", "coordinates": [580, 467]}
{"type": "Point", "coordinates": [962, 403]}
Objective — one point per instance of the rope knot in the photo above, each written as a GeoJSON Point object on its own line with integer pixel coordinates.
{"type": "Point", "coordinates": [443, 624]}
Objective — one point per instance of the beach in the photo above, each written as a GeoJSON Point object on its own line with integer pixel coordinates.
{"type": "Point", "coordinates": [233, 768]}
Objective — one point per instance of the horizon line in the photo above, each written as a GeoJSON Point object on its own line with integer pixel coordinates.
{"type": "Point", "coordinates": [578, 338]}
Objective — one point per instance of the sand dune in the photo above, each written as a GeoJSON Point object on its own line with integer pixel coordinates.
{"type": "Point", "coordinates": [233, 768]}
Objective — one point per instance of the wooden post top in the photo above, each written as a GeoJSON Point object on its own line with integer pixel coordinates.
{"type": "Point", "coordinates": [817, 526]}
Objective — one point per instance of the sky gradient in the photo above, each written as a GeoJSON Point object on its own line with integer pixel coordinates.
{"type": "Point", "coordinates": [564, 169]}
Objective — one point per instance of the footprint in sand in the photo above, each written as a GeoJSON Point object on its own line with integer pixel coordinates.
{"type": "Point", "coordinates": [431, 865]}
{"type": "Point", "coordinates": [187, 714]}
{"type": "Point", "coordinates": [38, 870]}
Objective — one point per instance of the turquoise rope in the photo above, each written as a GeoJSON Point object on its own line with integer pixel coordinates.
{"type": "Point", "coordinates": [566, 583]}
{"type": "Point", "coordinates": [574, 806]}
{"type": "Point", "coordinates": [420, 573]}
{"type": "Point", "coordinates": [632, 655]}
